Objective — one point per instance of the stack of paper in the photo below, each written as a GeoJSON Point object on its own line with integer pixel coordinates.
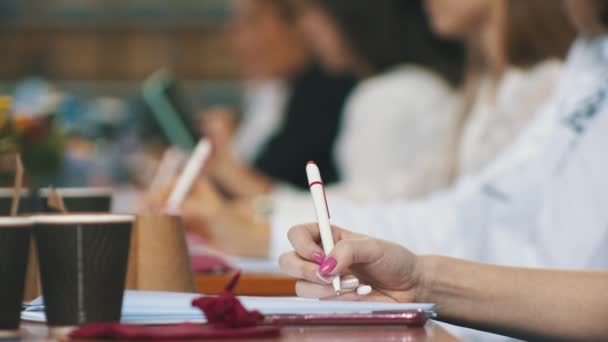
{"type": "Point", "coordinates": [254, 265]}
{"type": "Point", "coordinates": [145, 307]}
{"type": "Point", "coordinates": [140, 307]}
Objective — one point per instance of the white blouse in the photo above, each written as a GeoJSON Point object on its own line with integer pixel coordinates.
{"type": "Point", "coordinates": [501, 110]}
{"type": "Point", "coordinates": [396, 136]}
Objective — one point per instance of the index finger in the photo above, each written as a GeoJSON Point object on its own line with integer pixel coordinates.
{"type": "Point", "coordinates": [305, 240]}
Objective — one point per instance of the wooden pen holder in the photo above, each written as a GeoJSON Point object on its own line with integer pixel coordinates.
{"type": "Point", "coordinates": [159, 259]}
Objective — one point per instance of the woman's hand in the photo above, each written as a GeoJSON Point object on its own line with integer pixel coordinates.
{"type": "Point", "coordinates": [155, 201]}
{"type": "Point", "coordinates": [219, 125]}
{"type": "Point", "coordinates": [204, 202]}
{"type": "Point", "coordinates": [393, 272]}
{"type": "Point", "coordinates": [235, 176]}
{"type": "Point", "coordinates": [231, 227]}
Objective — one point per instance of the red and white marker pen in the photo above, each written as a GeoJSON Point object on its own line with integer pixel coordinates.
{"type": "Point", "coordinates": [322, 209]}
{"type": "Point", "coordinates": [193, 168]}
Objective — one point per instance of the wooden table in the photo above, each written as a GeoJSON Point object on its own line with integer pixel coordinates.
{"type": "Point", "coordinates": [430, 333]}
{"type": "Point", "coordinates": [250, 284]}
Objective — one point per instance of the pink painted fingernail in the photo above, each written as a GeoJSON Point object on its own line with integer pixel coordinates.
{"type": "Point", "coordinates": [328, 265]}
{"type": "Point", "coordinates": [318, 258]}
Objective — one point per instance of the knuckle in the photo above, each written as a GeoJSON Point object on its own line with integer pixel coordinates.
{"type": "Point", "coordinates": [346, 250]}
{"type": "Point", "coordinates": [292, 233]}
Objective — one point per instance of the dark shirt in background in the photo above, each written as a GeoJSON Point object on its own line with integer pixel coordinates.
{"type": "Point", "coordinates": [309, 130]}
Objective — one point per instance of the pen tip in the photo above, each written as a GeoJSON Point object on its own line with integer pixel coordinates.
{"type": "Point", "coordinates": [311, 163]}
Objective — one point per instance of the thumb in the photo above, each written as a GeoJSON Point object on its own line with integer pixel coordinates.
{"type": "Point", "coordinates": [349, 252]}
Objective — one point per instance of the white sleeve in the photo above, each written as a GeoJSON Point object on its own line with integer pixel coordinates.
{"type": "Point", "coordinates": [574, 220]}
{"type": "Point", "coordinates": [433, 225]}
{"type": "Point", "coordinates": [557, 218]}
{"type": "Point", "coordinates": [426, 226]}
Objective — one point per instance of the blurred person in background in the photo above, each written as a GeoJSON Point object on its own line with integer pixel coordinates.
{"type": "Point", "coordinates": [398, 124]}
{"type": "Point", "coordinates": [504, 194]}
{"type": "Point", "coordinates": [288, 99]}
{"type": "Point", "coordinates": [519, 72]}
{"type": "Point", "coordinates": [515, 50]}
{"type": "Point", "coordinates": [405, 103]}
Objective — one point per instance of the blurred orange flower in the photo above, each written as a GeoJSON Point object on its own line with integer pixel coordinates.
{"type": "Point", "coordinates": [5, 104]}
{"type": "Point", "coordinates": [22, 124]}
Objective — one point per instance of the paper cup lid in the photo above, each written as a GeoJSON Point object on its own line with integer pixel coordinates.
{"type": "Point", "coordinates": [83, 218]}
{"type": "Point", "coordinates": [8, 192]}
{"type": "Point", "coordinates": [15, 221]}
{"type": "Point", "coordinates": [80, 192]}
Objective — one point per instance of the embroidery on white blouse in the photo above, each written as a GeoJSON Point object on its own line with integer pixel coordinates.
{"type": "Point", "coordinates": [581, 118]}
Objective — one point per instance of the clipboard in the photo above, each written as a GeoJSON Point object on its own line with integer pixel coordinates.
{"type": "Point", "coordinates": [162, 308]}
{"type": "Point", "coordinates": [160, 93]}
{"type": "Point", "coordinates": [414, 318]}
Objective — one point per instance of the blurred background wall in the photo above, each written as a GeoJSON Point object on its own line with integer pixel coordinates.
{"type": "Point", "coordinates": [109, 46]}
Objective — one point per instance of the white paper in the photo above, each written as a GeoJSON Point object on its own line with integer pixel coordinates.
{"type": "Point", "coordinates": [147, 307]}
{"type": "Point", "coordinates": [255, 265]}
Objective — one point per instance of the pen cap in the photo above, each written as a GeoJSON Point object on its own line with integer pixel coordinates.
{"type": "Point", "coordinates": [314, 178]}
{"type": "Point", "coordinates": [313, 173]}
{"type": "Point", "coordinates": [188, 176]}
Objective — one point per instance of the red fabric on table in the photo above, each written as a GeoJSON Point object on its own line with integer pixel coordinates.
{"type": "Point", "coordinates": [186, 331]}
{"type": "Point", "coordinates": [227, 311]}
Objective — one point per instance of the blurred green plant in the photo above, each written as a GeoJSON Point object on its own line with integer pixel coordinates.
{"type": "Point", "coordinates": [39, 141]}
{"type": "Point", "coordinates": [7, 139]}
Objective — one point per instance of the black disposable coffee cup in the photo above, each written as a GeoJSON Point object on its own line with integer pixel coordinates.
{"type": "Point", "coordinates": [14, 250]}
{"type": "Point", "coordinates": [83, 266]}
{"type": "Point", "coordinates": [81, 200]}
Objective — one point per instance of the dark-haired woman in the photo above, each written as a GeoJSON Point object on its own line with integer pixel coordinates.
{"type": "Point", "coordinates": [405, 102]}
{"type": "Point", "coordinates": [287, 98]}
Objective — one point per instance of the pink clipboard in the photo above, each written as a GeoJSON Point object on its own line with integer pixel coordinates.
{"type": "Point", "coordinates": [409, 318]}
